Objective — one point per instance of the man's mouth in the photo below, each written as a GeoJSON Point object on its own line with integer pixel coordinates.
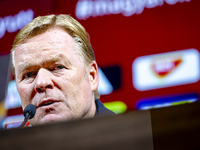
{"type": "Point", "coordinates": [46, 103]}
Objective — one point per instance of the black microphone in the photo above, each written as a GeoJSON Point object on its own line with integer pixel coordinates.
{"type": "Point", "coordinates": [29, 113]}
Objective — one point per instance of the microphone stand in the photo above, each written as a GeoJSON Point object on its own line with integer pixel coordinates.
{"type": "Point", "coordinates": [25, 120]}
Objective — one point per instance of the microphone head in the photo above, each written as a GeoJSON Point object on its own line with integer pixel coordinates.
{"type": "Point", "coordinates": [29, 110]}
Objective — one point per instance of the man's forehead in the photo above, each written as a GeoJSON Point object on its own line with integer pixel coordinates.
{"type": "Point", "coordinates": [40, 46]}
{"type": "Point", "coordinates": [41, 52]}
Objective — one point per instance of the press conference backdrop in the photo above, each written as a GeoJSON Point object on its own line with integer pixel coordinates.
{"type": "Point", "coordinates": [147, 51]}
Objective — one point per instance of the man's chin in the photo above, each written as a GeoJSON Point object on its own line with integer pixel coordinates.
{"type": "Point", "coordinates": [50, 118]}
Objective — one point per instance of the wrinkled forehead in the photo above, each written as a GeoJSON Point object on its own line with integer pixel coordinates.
{"type": "Point", "coordinates": [33, 47]}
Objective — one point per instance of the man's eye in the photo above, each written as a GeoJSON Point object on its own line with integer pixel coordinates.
{"type": "Point", "coordinates": [29, 75]}
{"type": "Point", "coordinates": [56, 67]}
{"type": "Point", "coordinates": [59, 67]}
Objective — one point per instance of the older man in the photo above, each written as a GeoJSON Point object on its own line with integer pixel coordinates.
{"type": "Point", "coordinates": [56, 71]}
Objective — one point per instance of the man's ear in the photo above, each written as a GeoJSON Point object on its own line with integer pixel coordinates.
{"type": "Point", "coordinates": [94, 77]}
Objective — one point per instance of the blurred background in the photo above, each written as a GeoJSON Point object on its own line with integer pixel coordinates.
{"type": "Point", "coordinates": [147, 50]}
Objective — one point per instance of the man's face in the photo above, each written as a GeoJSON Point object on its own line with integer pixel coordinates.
{"type": "Point", "coordinates": [51, 76]}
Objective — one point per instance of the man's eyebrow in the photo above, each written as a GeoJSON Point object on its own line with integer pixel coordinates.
{"type": "Point", "coordinates": [24, 67]}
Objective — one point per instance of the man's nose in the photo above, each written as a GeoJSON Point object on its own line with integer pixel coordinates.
{"type": "Point", "coordinates": [43, 80]}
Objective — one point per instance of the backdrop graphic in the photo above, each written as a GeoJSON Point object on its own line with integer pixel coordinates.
{"type": "Point", "coordinates": [142, 47]}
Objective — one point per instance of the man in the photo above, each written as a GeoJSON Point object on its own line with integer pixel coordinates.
{"type": "Point", "coordinates": [55, 70]}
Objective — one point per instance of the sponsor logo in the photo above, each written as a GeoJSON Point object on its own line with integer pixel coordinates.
{"type": "Point", "coordinates": [12, 99]}
{"type": "Point", "coordinates": [93, 8]}
{"type": "Point", "coordinates": [166, 101]}
{"type": "Point", "coordinates": [166, 69]}
{"type": "Point", "coordinates": [117, 107]}
{"type": "Point", "coordinates": [105, 87]}
{"type": "Point", "coordinates": [164, 66]}
{"type": "Point", "coordinates": [109, 79]}
{"type": "Point", "coordinates": [16, 22]}
{"type": "Point", "coordinates": [14, 121]}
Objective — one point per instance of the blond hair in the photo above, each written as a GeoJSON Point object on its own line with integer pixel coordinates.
{"type": "Point", "coordinates": [42, 23]}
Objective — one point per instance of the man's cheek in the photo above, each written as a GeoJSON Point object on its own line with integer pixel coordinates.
{"type": "Point", "coordinates": [24, 95]}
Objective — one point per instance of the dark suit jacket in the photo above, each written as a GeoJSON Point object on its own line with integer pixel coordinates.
{"type": "Point", "coordinates": [101, 110]}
